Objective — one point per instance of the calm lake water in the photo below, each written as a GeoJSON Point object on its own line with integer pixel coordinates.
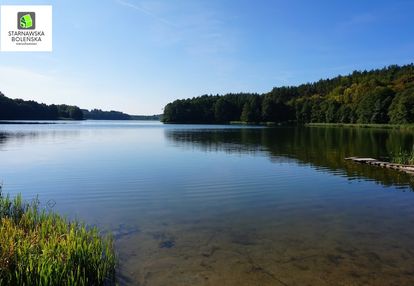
{"type": "Point", "coordinates": [225, 205]}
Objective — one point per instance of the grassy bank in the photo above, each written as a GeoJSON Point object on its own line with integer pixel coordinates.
{"type": "Point", "coordinates": [403, 157]}
{"type": "Point", "coordinates": [384, 126]}
{"type": "Point", "coordinates": [43, 248]}
{"type": "Point", "coordinates": [256, 123]}
{"type": "Point", "coordinates": [359, 125]}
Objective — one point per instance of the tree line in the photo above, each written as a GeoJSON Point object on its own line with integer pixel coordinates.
{"type": "Point", "coordinates": [18, 109]}
{"type": "Point", "coordinates": [98, 114]}
{"type": "Point", "coordinates": [378, 96]}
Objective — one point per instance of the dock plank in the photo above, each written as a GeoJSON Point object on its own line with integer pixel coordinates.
{"type": "Point", "coordinates": [409, 169]}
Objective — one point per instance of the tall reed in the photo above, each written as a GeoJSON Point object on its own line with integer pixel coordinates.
{"type": "Point", "coordinates": [403, 157]}
{"type": "Point", "coordinates": [39, 247]}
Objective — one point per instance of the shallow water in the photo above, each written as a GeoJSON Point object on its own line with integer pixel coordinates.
{"type": "Point", "coordinates": [225, 205]}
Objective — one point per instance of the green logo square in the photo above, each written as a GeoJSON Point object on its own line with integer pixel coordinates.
{"type": "Point", "coordinates": [26, 20]}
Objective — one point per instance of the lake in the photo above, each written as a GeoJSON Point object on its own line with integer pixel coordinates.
{"type": "Point", "coordinates": [223, 204]}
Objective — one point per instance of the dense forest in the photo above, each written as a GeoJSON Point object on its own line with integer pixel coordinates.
{"type": "Point", "coordinates": [378, 96]}
{"type": "Point", "coordinates": [146, 117]}
{"type": "Point", "coordinates": [18, 109]}
{"type": "Point", "coordinates": [98, 114]}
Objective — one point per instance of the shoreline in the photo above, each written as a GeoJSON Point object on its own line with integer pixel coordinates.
{"type": "Point", "coordinates": [363, 125]}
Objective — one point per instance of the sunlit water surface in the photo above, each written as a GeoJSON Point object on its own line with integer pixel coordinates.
{"type": "Point", "coordinates": [225, 205]}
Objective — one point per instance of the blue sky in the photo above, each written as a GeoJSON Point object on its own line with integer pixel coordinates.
{"type": "Point", "coordinates": [136, 56]}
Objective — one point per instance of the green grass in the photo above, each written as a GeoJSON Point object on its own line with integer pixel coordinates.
{"type": "Point", "coordinates": [366, 125]}
{"type": "Point", "coordinates": [403, 157]}
{"type": "Point", "coordinates": [43, 248]}
{"type": "Point", "coordinates": [255, 123]}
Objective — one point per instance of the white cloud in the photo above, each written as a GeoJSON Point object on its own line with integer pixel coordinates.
{"type": "Point", "coordinates": [54, 88]}
{"type": "Point", "coordinates": [46, 87]}
{"type": "Point", "coordinates": [142, 7]}
{"type": "Point", "coordinates": [16, 82]}
{"type": "Point", "coordinates": [199, 30]}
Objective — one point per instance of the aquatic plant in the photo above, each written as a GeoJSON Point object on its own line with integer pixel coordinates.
{"type": "Point", "coordinates": [403, 157]}
{"type": "Point", "coordinates": [39, 247]}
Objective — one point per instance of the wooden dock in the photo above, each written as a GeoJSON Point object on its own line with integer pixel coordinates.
{"type": "Point", "coordinates": [374, 162]}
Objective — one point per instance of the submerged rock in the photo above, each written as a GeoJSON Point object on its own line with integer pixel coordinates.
{"type": "Point", "coordinates": [167, 244]}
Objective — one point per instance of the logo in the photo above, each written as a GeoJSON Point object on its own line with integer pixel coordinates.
{"type": "Point", "coordinates": [26, 28]}
{"type": "Point", "coordinates": [26, 20]}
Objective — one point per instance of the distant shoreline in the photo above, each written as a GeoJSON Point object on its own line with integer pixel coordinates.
{"type": "Point", "coordinates": [61, 121]}
{"type": "Point", "coordinates": [363, 125]}
{"type": "Point", "coordinates": [268, 124]}
{"type": "Point", "coordinates": [25, 122]}
{"type": "Point", "coordinates": [275, 124]}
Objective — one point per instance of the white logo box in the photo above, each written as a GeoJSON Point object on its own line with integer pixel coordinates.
{"type": "Point", "coordinates": [15, 39]}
